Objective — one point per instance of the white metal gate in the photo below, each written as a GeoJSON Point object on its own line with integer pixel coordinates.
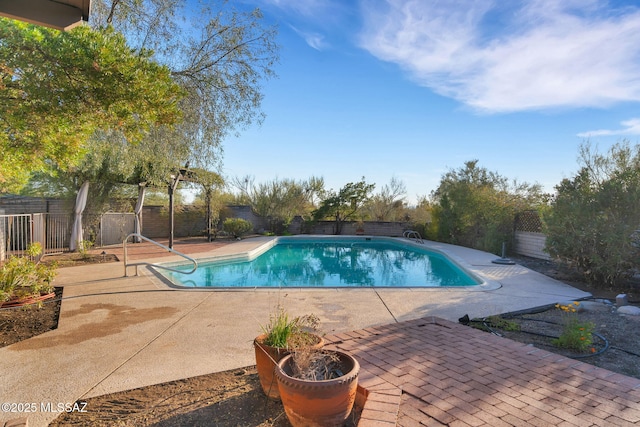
{"type": "Point", "coordinates": [15, 235]}
{"type": "Point", "coordinates": [53, 231]}
{"type": "Point", "coordinates": [17, 232]}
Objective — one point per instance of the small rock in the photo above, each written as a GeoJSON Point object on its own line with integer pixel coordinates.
{"type": "Point", "coordinates": [630, 310]}
{"type": "Point", "coordinates": [622, 300]}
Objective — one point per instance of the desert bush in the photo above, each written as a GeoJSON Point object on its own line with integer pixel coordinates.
{"type": "Point", "coordinates": [279, 200]}
{"type": "Point", "coordinates": [595, 215]}
{"type": "Point", "coordinates": [22, 276]}
{"type": "Point", "coordinates": [237, 226]}
{"type": "Point", "coordinates": [84, 247]}
{"type": "Point", "coordinates": [476, 208]}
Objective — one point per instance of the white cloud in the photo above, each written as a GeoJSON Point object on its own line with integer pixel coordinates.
{"type": "Point", "coordinates": [321, 15]}
{"type": "Point", "coordinates": [313, 39]}
{"type": "Point", "coordinates": [498, 56]}
{"type": "Point", "coordinates": [630, 127]}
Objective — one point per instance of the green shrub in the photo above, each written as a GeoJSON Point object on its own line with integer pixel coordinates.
{"type": "Point", "coordinates": [576, 335]}
{"type": "Point", "coordinates": [236, 226]}
{"type": "Point", "coordinates": [595, 214]}
{"type": "Point", "coordinates": [476, 208]}
{"type": "Point", "coordinates": [22, 277]}
{"type": "Point", "coordinates": [84, 247]}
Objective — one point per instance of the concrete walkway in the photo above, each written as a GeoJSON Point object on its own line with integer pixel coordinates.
{"type": "Point", "coordinates": [118, 333]}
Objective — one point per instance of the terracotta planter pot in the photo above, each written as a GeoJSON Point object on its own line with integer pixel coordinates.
{"type": "Point", "coordinates": [266, 359]}
{"type": "Point", "coordinates": [318, 403]}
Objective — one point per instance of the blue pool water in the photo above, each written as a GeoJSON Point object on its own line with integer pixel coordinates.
{"type": "Point", "coordinates": [354, 262]}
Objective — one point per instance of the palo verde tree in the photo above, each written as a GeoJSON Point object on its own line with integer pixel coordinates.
{"type": "Point", "coordinates": [58, 88]}
{"type": "Point", "coordinates": [345, 204]}
{"type": "Point", "coordinates": [476, 208]}
{"type": "Point", "coordinates": [594, 220]}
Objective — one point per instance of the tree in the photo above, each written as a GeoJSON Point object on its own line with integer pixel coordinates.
{"type": "Point", "coordinates": [596, 214]}
{"type": "Point", "coordinates": [422, 218]}
{"type": "Point", "coordinates": [210, 182]}
{"type": "Point", "coordinates": [218, 56]}
{"type": "Point", "coordinates": [476, 208]}
{"type": "Point", "coordinates": [279, 200]}
{"type": "Point", "coordinates": [345, 204]}
{"type": "Point", "coordinates": [314, 191]}
{"type": "Point", "coordinates": [58, 88]}
{"type": "Point", "coordinates": [112, 166]}
{"type": "Point", "coordinates": [389, 204]}
{"type": "Point", "coordinates": [243, 188]}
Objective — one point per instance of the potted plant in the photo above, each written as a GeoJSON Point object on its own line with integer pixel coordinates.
{"type": "Point", "coordinates": [281, 336]}
{"type": "Point", "coordinates": [318, 387]}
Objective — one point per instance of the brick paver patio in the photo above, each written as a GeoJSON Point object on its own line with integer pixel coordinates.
{"type": "Point", "coordinates": [433, 372]}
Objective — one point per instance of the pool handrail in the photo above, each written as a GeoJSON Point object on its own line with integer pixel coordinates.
{"type": "Point", "coordinates": [412, 234]}
{"type": "Point", "coordinates": [140, 236]}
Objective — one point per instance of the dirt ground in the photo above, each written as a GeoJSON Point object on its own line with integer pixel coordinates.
{"type": "Point", "coordinates": [617, 343]}
{"type": "Point", "coordinates": [17, 324]}
{"type": "Point", "coordinates": [231, 399]}
{"type": "Point", "coordinates": [234, 398]}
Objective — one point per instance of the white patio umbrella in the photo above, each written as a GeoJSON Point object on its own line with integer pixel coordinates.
{"type": "Point", "coordinates": [81, 203]}
{"type": "Point", "coordinates": [138, 210]}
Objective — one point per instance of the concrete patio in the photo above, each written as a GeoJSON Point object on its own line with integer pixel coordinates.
{"type": "Point", "coordinates": [116, 333]}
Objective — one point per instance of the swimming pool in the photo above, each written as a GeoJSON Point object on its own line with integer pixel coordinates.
{"type": "Point", "coordinates": [329, 262]}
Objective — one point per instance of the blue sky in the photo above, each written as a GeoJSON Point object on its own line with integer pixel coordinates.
{"type": "Point", "coordinates": [411, 89]}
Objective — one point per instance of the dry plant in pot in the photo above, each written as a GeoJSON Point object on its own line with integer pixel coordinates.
{"type": "Point", "coordinates": [318, 387]}
{"type": "Point", "coordinates": [280, 337]}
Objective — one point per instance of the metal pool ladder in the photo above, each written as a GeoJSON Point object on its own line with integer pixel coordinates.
{"type": "Point", "coordinates": [140, 236]}
{"type": "Point", "coordinates": [412, 234]}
